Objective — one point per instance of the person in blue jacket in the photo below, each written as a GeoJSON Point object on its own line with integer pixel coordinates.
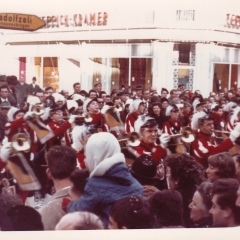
{"type": "Point", "coordinates": [109, 178]}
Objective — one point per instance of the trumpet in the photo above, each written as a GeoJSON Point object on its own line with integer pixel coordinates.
{"type": "Point", "coordinates": [21, 142]}
{"type": "Point", "coordinates": [87, 118]}
{"type": "Point", "coordinates": [38, 109]}
{"type": "Point", "coordinates": [186, 135]}
{"type": "Point", "coordinates": [117, 107]}
{"type": "Point", "coordinates": [133, 139]}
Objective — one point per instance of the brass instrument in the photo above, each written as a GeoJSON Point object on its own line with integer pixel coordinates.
{"type": "Point", "coordinates": [218, 131]}
{"type": "Point", "coordinates": [132, 140]}
{"type": "Point", "coordinates": [21, 142]}
{"type": "Point", "coordinates": [87, 118]}
{"type": "Point", "coordinates": [38, 109]}
{"type": "Point", "coordinates": [187, 135]}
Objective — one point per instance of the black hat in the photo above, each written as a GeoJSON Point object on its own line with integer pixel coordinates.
{"type": "Point", "coordinates": [138, 88]}
{"type": "Point", "coordinates": [5, 105]}
{"type": "Point", "coordinates": [3, 78]}
{"type": "Point", "coordinates": [12, 80]}
{"type": "Point", "coordinates": [145, 167]}
{"type": "Point", "coordinates": [164, 100]}
{"type": "Point", "coordinates": [55, 109]}
{"type": "Point", "coordinates": [120, 93]}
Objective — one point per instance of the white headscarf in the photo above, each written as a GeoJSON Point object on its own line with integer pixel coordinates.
{"type": "Point", "coordinates": [102, 152]}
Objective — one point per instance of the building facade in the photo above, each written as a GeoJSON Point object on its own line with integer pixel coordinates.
{"type": "Point", "coordinates": [163, 47]}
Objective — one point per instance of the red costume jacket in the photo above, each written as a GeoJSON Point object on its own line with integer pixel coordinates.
{"type": "Point", "coordinates": [130, 120]}
{"type": "Point", "coordinates": [172, 127]}
{"type": "Point", "coordinates": [204, 146]}
{"type": "Point", "coordinates": [155, 151]}
{"type": "Point", "coordinates": [59, 130]}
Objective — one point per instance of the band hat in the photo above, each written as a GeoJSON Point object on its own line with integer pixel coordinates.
{"type": "Point", "coordinates": [86, 104]}
{"type": "Point", "coordinates": [129, 101]}
{"type": "Point", "coordinates": [12, 80]}
{"type": "Point", "coordinates": [141, 121]}
{"type": "Point", "coordinates": [5, 105]}
{"type": "Point", "coordinates": [134, 105]}
{"type": "Point", "coordinates": [76, 97]}
{"type": "Point", "coordinates": [3, 78]}
{"type": "Point", "coordinates": [214, 106]}
{"type": "Point", "coordinates": [171, 108]}
{"type": "Point", "coordinates": [229, 106]}
{"type": "Point", "coordinates": [197, 103]}
{"type": "Point", "coordinates": [71, 104]}
{"type": "Point", "coordinates": [195, 119]}
{"type": "Point", "coordinates": [58, 97]}
{"type": "Point", "coordinates": [12, 113]}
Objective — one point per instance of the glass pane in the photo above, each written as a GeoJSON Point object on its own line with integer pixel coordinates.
{"type": "Point", "coordinates": [234, 76]}
{"type": "Point", "coordinates": [118, 72]}
{"type": "Point", "coordinates": [184, 78]}
{"type": "Point", "coordinates": [96, 70]}
{"type": "Point", "coordinates": [37, 68]}
{"type": "Point", "coordinates": [220, 77]}
{"type": "Point", "coordinates": [141, 72]}
{"type": "Point", "coordinates": [50, 72]}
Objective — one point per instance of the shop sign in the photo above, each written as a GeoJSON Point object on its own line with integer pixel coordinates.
{"type": "Point", "coordinates": [232, 21]}
{"type": "Point", "coordinates": [76, 20]}
{"type": "Point", "coordinates": [18, 21]}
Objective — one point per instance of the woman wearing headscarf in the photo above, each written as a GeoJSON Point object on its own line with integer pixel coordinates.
{"type": "Point", "coordinates": [109, 178]}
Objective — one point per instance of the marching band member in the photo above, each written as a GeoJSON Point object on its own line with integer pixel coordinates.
{"type": "Point", "coordinates": [173, 125]}
{"type": "Point", "coordinates": [205, 144]}
{"type": "Point", "coordinates": [137, 107]}
{"type": "Point", "coordinates": [233, 119]}
{"type": "Point", "coordinates": [59, 129]}
{"type": "Point", "coordinates": [147, 128]}
{"type": "Point", "coordinates": [91, 106]}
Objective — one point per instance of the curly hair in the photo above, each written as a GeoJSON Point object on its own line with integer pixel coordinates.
{"type": "Point", "coordinates": [185, 169]}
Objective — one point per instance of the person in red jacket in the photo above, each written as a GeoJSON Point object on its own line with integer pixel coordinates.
{"type": "Point", "coordinates": [59, 128]}
{"type": "Point", "coordinates": [205, 144]}
{"type": "Point", "coordinates": [147, 128]}
{"type": "Point", "coordinates": [137, 108]}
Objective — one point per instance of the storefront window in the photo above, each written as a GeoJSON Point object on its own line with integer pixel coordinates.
{"type": "Point", "coordinates": [221, 77]}
{"type": "Point", "coordinates": [141, 72]}
{"type": "Point", "coordinates": [118, 73]}
{"type": "Point", "coordinates": [50, 72]}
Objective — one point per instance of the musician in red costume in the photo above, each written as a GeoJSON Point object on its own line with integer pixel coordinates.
{"type": "Point", "coordinates": [59, 128]}
{"type": "Point", "coordinates": [205, 143]}
{"type": "Point", "coordinates": [137, 108]}
{"type": "Point", "coordinates": [173, 125]}
{"type": "Point", "coordinates": [147, 128]}
{"type": "Point", "coordinates": [91, 106]}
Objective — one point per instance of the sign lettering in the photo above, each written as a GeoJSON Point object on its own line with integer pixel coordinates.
{"type": "Point", "coordinates": [77, 20]}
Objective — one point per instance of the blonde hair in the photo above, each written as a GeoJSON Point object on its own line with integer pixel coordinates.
{"type": "Point", "coordinates": [80, 221]}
